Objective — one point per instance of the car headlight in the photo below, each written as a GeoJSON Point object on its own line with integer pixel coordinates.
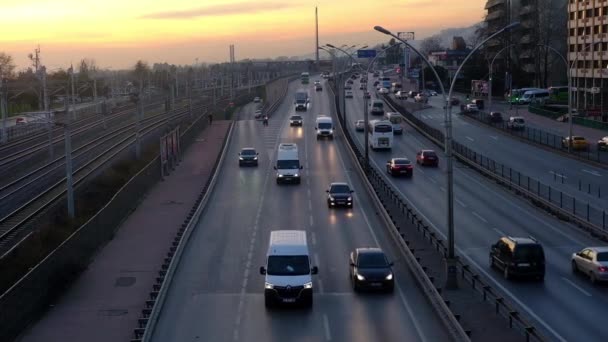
{"type": "Point", "coordinates": [389, 277]}
{"type": "Point", "coordinates": [296, 175]}
{"type": "Point", "coordinates": [240, 158]}
{"type": "Point", "coordinates": [331, 198]}
{"type": "Point", "coordinates": [268, 286]}
{"type": "Point", "coordinates": [360, 277]}
{"type": "Point", "coordinates": [255, 158]}
{"type": "Point", "coordinates": [280, 176]}
{"type": "Point", "coordinates": [308, 285]}
{"type": "Point", "coordinates": [331, 131]}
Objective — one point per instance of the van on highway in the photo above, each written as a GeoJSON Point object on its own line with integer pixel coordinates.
{"type": "Point", "coordinates": [377, 107]}
{"type": "Point", "coordinates": [324, 126]}
{"type": "Point", "coordinates": [288, 271]}
{"type": "Point", "coordinates": [288, 164]}
{"type": "Point", "coordinates": [534, 96]}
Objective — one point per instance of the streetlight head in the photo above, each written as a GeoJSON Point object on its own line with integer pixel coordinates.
{"type": "Point", "coordinates": [382, 30]}
{"type": "Point", "coordinates": [363, 47]}
{"type": "Point", "coordinates": [331, 46]}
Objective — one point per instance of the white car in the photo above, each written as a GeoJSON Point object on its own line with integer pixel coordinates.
{"type": "Point", "coordinates": [348, 94]}
{"type": "Point", "coordinates": [401, 95]}
{"type": "Point", "coordinates": [592, 262]}
{"type": "Point", "coordinates": [516, 122]}
{"type": "Point", "coordinates": [471, 107]}
{"type": "Point", "coordinates": [383, 90]}
{"type": "Point", "coordinates": [420, 98]}
{"type": "Point", "coordinates": [257, 99]}
{"type": "Point", "coordinates": [433, 93]}
{"type": "Point", "coordinates": [359, 125]}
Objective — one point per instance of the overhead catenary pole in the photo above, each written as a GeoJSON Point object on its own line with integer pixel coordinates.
{"type": "Point", "coordinates": [317, 35]}
{"type": "Point", "coordinates": [73, 93]}
{"type": "Point", "coordinates": [67, 134]}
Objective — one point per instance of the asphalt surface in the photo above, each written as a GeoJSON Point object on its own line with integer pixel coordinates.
{"type": "Point", "coordinates": [565, 306]}
{"type": "Point", "coordinates": [217, 292]}
{"type": "Point", "coordinates": [558, 171]}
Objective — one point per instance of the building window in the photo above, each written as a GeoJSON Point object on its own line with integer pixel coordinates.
{"type": "Point", "coordinates": [605, 46]}
{"type": "Point", "coordinates": [572, 32]}
{"type": "Point", "coordinates": [589, 13]}
{"type": "Point", "coordinates": [580, 14]}
{"type": "Point", "coordinates": [605, 28]}
{"type": "Point", "coordinates": [579, 47]}
{"type": "Point", "coordinates": [587, 30]}
{"type": "Point", "coordinates": [605, 10]}
{"type": "Point", "coordinates": [581, 31]}
{"type": "Point", "coordinates": [596, 12]}
{"type": "Point", "coordinates": [604, 64]}
{"type": "Point", "coordinates": [596, 64]}
{"type": "Point", "coordinates": [580, 64]}
{"type": "Point", "coordinates": [587, 64]}
{"type": "Point", "coordinates": [572, 17]}
{"type": "Point", "coordinates": [596, 29]}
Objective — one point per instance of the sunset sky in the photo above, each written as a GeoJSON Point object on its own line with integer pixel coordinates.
{"type": "Point", "coordinates": [118, 33]}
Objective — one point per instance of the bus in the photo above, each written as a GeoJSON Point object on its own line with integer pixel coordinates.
{"type": "Point", "coordinates": [385, 81]}
{"type": "Point", "coordinates": [396, 119]}
{"type": "Point", "coordinates": [516, 94]}
{"type": "Point", "coordinates": [380, 134]}
{"type": "Point", "coordinates": [558, 94]}
{"type": "Point", "coordinates": [304, 77]}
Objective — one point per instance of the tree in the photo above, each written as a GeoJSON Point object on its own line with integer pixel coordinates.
{"type": "Point", "coordinates": [7, 67]}
{"type": "Point", "coordinates": [430, 44]}
{"type": "Point", "coordinates": [140, 73]}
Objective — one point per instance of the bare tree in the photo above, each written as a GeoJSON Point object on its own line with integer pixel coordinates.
{"type": "Point", "coordinates": [140, 72]}
{"type": "Point", "coordinates": [430, 44]}
{"type": "Point", "coordinates": [7, 67]}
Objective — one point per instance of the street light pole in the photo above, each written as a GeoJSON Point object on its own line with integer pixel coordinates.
{"type": "Point", "coordinates": [342, 92]}
{"type": "Point", "coordinates": [452, 278]}
{"type": "Point", "coordinates": [490, 76]}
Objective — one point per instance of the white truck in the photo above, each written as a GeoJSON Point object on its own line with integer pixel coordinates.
{"type": "Point", "coordinates": [288, 164]}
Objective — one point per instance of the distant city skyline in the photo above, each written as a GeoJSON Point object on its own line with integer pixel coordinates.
{"type": "Point", "coordinates": [118, 33]}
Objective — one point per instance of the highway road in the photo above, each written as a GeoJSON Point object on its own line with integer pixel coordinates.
{"type": "Point", "coordinates": [217, 292]}
{"type": "Point", "coordinates": [539, 163]}
{"type": "Point", "coordinates": [565, 306]}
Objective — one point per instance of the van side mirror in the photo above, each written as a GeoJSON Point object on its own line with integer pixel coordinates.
{"type": "Point", "coordinates": [301, 167]}
{"type": "Point", "coordinates": [352, 263]}
{"type": "Point", "coordinates": [391, 263]}
{"type": "Point", "coordinates": [315, 128]}
{"type": "Point", "coordinates": [326, 190]}
{"type": "Point", "coordinates": [262, 270]}
{"type": "Point", "coordinates": [274, 167]}
{"type": "Point", "coordinates": [314, 270]}
{"type": "Point", "coordinates": [352, 191]}
{"type": "Point", "coordinates": [257, 153]}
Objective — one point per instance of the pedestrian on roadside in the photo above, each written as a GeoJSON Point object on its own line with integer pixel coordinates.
{"type": "Point", "coordinates": [265, 120]}
{"type": "Point", "coordinates": [210, 119]}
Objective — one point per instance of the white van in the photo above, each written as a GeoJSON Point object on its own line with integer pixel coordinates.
{"type": "Point", "coordinates": [396, 119]}
{"type": "Point", "coordinates": [288, 164]}
{"type": "Point", "coordinates": [324, 127]}
{"type": "Point", "coordinates": [288, 271]}
{"type": "Point", "coordinates": [534, 96]}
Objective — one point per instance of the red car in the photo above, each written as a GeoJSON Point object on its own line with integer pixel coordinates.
{"type": "Point", "coordinates": [400, 166]}
{"type": "Point", "coordinates": [427, 157]}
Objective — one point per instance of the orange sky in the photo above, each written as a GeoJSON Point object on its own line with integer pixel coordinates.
{"type": "Point", "coordinates": [117, 33]}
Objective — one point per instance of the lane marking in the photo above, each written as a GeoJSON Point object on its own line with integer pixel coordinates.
{"type": "Point", "coordinates": [432, 180]}
{"type": "Point", "coordinates": [576, 286]}
{"type": "Point", "coordinates": [320, 283]}
{"type": "Point", "coordinates": [558, 174]}
{"type": "Point", "coordinates": [442, 188]}
{"type": "Point", "coordinates": [404, 301]}
{"type": "Point", "coordinates": [494, 137]}
{"type": "Point", "coordinates": [311, 221]}
{"type": "Point", "coordinates": [314, 238]}
{"type": "Point", "coordinates": [470, 138]}
{"type": "Point", "coordinates": [419, 169]}
{"type": "Point", "coordinates": [326, 326]}
{"type": "Point", "coordinates": [500, 232]}
{"type": "Point", "coordinates": [479, 268]}
{"type": "Point", "coordinates": [460, 202]}
{"type": "Point", "coordinates": [479, 217]}
{"type": "Point", "coordinates": [595, 173]}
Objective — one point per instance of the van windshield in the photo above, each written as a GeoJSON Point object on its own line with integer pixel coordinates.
{"type": "Point", "coordinates": [288, 164]}
{"type": "Point", "coordinates": [283, 265]}
{"type": "Point", "coordinates": [324, 125]}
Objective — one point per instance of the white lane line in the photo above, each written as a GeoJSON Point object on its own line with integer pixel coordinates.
{"type": "Point", "coordinates": [595, 173]}
{"type": "Point", "coordinates": [316, 256]}
{"type": "Point", "coordinates": [479, 268]}
{"type": "Point", "coordinates": [432, 180]}
{"type": "Point", "coordinates": [558, 174]}
{"type": "Point", "coordinates": [470, 138]}
{"type": "Point", "coordinates": [500, 232]}
{"type": "Point", "coordinates": [308, 191]}
{"type": "Point", "coordinates": [320, 283]}
{"type": "Point", "coordinates": [311, 221]}
{"type": "Point", "coordinates": [479, 217]}
{"type": "Point", "coordinates": [404, 301]}
{"type": "Point", "coordinates": [326, 326]}
{"type": "Point", "coordinates": [419, 169]}
{"type": "Point", "coordinates": [314, 238]}
{"type": "Point", "coordinates": [494, 137]}
{"type": "Point", "coordinates": [460, 202]}
{"type": "Point", "coordinates": [309, 205]}
{"type": "Point", "coordinates": [442, 189]}
{"type": "Point", "coordinates": [576, 287]}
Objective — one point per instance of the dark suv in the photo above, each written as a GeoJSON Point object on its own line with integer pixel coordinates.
{"type": "Point", "coordinates": [518, 257]}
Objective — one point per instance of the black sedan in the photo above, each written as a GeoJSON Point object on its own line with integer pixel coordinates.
{"type": "Point", "coordinates": [248, 156]}
{"type": "Point", "coordinates": [370, 269]}
{"type": "Point", "coordinates": [339, 194]}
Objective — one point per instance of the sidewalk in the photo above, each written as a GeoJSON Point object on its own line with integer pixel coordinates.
{"type": "Point", "coordinates": [106, 300]}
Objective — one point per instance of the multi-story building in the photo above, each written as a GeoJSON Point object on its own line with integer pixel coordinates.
{"type": "Point", "coordinates": [542, 22]}
{"type": "Point", "coordinates": [588, 52]}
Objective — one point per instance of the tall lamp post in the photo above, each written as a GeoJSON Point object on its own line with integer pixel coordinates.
{"type": "Point", "coordinates": [452, 278]}
{"type": "Point", "coordinates": [490, 75]}
{"type": "Point", "coordinates": [342, 85]}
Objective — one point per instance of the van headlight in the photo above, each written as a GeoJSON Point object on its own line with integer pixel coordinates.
{"type": "Point", "coordinates": [308, 285]}
{"type": "Point", "coordinates": [280, 175]}
{"type": "Point", "coordinates": [255, 158]}
{"type": "Point", "coordinates": [360, 277]}
{"type": "Point", "coordinates": [296, 175]}
{"type": "Point", "coordinates": [349, 199]}
{"type": "Point", "coordinates": [240, 158]}
{"type": "Point", "coordinates": [268, 286]}
{"type": "Point", "coordinates": [331, 198]}
{"type": "Point", "coordinates": [389, 276]}
{"type": "Point", "coordinates": [331, 131]}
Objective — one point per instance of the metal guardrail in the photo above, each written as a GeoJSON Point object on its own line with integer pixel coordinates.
{"type": "Point", "coordinates": [490, 295]}
{"type": "Point", "coordinates": [448, 318]}
{"type": "Point", "coordinates": [585, 215]}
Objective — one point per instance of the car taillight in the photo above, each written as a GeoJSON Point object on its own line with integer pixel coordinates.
{"type": "Point", "coordinates": [422, 157]}
{"type": "Point", "coordinates": [409, 167]}
{"type": "Point", "coordinates": [602, 269]}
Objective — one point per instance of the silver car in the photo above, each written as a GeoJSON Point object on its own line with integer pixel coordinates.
{"type": "Point", "coordinates": [593, 262]}
{"type": "Point", "coordinates": [359, 125]}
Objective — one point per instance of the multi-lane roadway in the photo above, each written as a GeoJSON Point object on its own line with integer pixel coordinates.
{"type": "Point", "coordinates": [217, 292]}
{"type": "Point", "coordinates": [565, 306]}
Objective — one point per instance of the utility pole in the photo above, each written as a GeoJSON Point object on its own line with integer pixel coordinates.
{"type": "Point", "coordinates": [3, 108]}
{"type": "Point", "coordinates": [67, 134]}
{"type": "Point", "coordinates": [406, 56]}
{"type": "Point", "coordinates": [317, 35]}
{"type": "Point", "coordinates": [95, 95]}
{"type": "Point", "coordinates": [73, 93]}
{"type": "Point", "coordinates": [138, 105]}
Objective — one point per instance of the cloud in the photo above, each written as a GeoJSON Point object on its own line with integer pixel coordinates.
{"type": "Point", "coordinates": [219, 10]}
